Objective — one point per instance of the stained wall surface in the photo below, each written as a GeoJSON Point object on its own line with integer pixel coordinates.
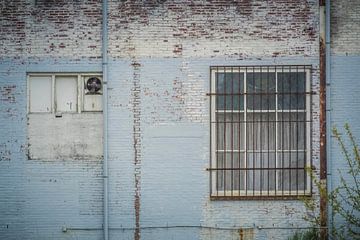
{"type": "Point", "coordinates": [160, 54]}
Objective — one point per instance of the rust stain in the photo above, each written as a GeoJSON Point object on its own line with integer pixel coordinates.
{"type": "Point", "coordinates": [323, 161]}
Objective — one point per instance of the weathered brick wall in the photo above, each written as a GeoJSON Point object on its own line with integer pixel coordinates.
{"type": "Point", "coordinates": [241, 29]}
{"type": "Point", "coordinates": [345, 27]}
{"type": "Point", "coordinates": [160, 53]}
{"type": "Point", "coordinates": [43, 28]}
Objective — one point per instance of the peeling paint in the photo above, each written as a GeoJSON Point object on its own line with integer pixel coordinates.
{"type": "Point", "coordinates": [72, 137]}
{"type": "Point", "coordinates": [8, 94]}
{"type": "Point", "coordinates": [136, 104]}
{"type": "Point", "coordinates": [5, 153]}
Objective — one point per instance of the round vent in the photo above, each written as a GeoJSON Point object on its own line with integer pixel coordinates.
{"type": "Point", "coordinates": [93, 85]}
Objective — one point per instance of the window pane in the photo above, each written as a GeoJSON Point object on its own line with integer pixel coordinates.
{"type": "Point", "coordinates": [230, 179]}
{"type": "Point", "coordinates": [291, 87]}
{"type": "Point", "coordinates": [291, 131]}
{"type": "Point", "coordinates": [261, 179]}
{"type": "Point", "coordinates": [261, 131]}
{"type": "Point", "coordinates": [229, 83]}
{"type": "Point", "coordinates": [230, 131]}
{"type": "Point", "coordinates": [66, 94]}
{"type": "Point", "coordinates": [40, 94]}
{"type": "Point", "coordinates": [261, 90]}
{"type": "Point", "coordinates": [291, 179]}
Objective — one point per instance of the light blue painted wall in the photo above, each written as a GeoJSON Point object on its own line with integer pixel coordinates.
{"type": "Point", "coordinates": [12, 149]}
{"type": "Point", "coordinates": [345, 108]}
{"type": "Point", "coordinates": [42, 197]}
{"type": "Point", "coordinates": [38, 198]}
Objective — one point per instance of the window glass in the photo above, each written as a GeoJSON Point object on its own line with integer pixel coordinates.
{"type": "Point", "coordinates": [261, 174]}
{"type": "Point", "coordinates": [291, 88]}
{"type": "Point", "coordinates": [261, 88]}
{"type": "Point", "coordinates": [260, 131]}
{"type": "Point", "coordinates": [40, 96]}
{"type": "Point", "coordinates": [291, 131]}
{"type": "Point", "coordinates": [66, 93]}
{"type": "Point", "coordinates": [292, 174]}
{"type": "Point", "coordinates": [228, 84]}
{"type": "Point", "coordinates": [231, 128]}
{"type": "Point", "coordinates": [231, 177]}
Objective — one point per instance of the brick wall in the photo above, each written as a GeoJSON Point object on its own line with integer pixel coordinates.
{"type": "Point", "coordinates": [160, 53]}
{"type": "Point", "coordinates": [42, 28]}
{"type": "Point", "coordinates": [217, 29]}
{"type": "Point", "coordinates": [345, 27]}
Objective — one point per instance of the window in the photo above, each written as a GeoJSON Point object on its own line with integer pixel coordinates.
{"type": "Point", "coordinates": [64, 93]}
{"type": "Point", "coordinates": [260, 131]}
{"type": "Point", "coordinates": [64, 120]}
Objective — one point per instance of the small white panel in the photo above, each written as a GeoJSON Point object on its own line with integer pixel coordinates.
{"type": "Point", "coordinates": [66, 93]}
{"type": "Point", "coordinates": [40, 94]}
{"type": "Point", "coordinates": [73, 136]}
{"type": "Point", "coordinates": [92, 102]}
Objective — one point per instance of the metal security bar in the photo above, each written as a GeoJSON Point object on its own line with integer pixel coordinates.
{"type": "Point", "coordinates": [260, 131]}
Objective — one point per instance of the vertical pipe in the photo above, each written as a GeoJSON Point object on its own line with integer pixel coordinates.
{"type": "Point", "coordinates": [224, 134]}
{"type": "Point", "coordinates": [328, 112]}
{"type": "Point", "coordinates": [105, 116]}
{"type": "Point", "coordinates": [211, 132]}
{"type": "Point", "coordinates": [232, 131]}
{"type": "Point", "coordinates": [323, 167]}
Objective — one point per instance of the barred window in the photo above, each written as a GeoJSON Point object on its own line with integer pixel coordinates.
{"type": "Point", "coordinates": [260, 131]}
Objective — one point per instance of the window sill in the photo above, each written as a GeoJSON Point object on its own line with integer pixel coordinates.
{"type": "Point", "coordinates": [258, 197]}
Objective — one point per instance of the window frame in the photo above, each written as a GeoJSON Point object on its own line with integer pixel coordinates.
{"type": "Point", "coordinates": [216, 194]}
{"type": "Point", "coordinates": [79, 90]}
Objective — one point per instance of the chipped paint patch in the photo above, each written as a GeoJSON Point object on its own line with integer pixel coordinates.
{"type": "Point", "coordinates": [7, 93]}
{"type": "Point", "coordinates": [71, 137]}
{"type": "Point", "coordinates": [5, 153]}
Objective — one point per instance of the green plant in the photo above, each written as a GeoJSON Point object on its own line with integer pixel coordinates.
{"type": "Point", "coordinates": [311, 234]}
{"type": "Point", "coordinates": [344, 200]}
